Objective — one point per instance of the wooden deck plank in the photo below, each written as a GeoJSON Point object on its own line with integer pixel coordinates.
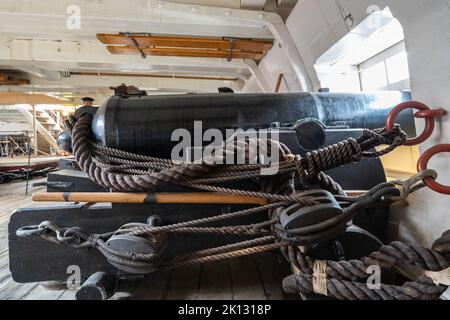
{"type": "Point", "coordinates": [272, 271]}
{"type": "Point", "coordinates": [42, 293]}
{"type": "Point", "coordinates": [3, 240]}
{"type": "Point", "coordinates": [215, 281]}
{"type": "Point", "coordinates": [183, 283]}
{"type": "Point", "coordinates": [3, 253]}
{"type": "Point", "coordinates": [18, 187]}
{"type": "Point", "coordinates": [11, 290]}
{"type": "Point", "coordinates": [4, 258]}
{"type": "Point", "coordinates": [12, 197]}
{"type": "Point", "coordinates": [245, 278]}
{"type": "Point", "coordinates": [152, 287]}
{"type": "Point", "coordinates": [67, 295]}
{"type": "Point", "coordinates": [4, 264]}
{"type": "Point", "coordinates": [4, 273]}
{"type": "Point", "coordinates": [125, 290]}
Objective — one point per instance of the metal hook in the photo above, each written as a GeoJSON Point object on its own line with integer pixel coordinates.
{"type": "Point", "coordinates": [29, 231]}
{"type": "Point", "coordinates": [413, 184]}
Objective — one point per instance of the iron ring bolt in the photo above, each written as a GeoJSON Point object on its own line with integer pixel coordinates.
{"type": "Point", "coordinates": [423, 164]}
{"type": "Point", "coordinates": [424, 112]}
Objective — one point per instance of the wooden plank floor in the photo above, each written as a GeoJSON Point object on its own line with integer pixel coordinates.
{"type": "Point", "coordinates": [23, 161]}
{"type": "Point", "coordinates": [253, 277]}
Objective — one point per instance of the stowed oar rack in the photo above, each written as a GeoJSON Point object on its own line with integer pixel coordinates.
{"type": "Point", "coordinates": [147, 44]}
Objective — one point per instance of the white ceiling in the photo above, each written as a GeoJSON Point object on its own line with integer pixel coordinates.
{"type": "Point", "coordinates": [35, 39]}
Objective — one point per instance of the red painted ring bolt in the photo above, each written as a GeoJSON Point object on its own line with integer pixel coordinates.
{"type": "Point", "coordinates": [437, 113]}
{"type": "Point", "coordinates": [429, 121]}
{"type": "Point", "coordinates": [423, 163]}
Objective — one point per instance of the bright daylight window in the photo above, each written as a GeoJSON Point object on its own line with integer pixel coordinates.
{"type": "Point", "coordinates": [374, 77]}
{"type": "Point", "coordinates": [397, 67]}
{"type": "Point", "coordinates": [368, 58]}
{"type": "Point", "coordinates": [386, 71]}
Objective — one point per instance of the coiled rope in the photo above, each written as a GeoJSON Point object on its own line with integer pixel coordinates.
{"type": "Point", "coordinates": [344, 278]}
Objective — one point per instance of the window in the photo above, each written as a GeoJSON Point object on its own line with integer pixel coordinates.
{"type": "Point", "coordinates": [341, 81]}
{"type": "Point", "coordinates": [374, 77]}
{"type": "Point", "coordinates": [368, 58]}
{"type": "Point", "coordinates": [397, 67]}
{"type": "Point", "coordinates": [387, 70]}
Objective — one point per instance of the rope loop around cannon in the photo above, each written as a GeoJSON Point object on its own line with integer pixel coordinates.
{"type": "Point", "coordinates": [128, 172]}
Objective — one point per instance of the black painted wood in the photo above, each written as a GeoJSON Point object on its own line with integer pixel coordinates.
{"type": "Point", "coordinates": [34, 259]}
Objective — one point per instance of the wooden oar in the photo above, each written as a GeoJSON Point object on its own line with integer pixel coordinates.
{"type": "Point", "coordinates": [160, 198]}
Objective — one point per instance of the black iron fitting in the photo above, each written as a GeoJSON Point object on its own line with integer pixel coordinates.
{"type": "Point", "coordinates": [55, 185]}
{"type": "Point", "coordinates": [305, 216]}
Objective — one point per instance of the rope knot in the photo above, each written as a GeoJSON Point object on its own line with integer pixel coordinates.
{"type": "Point", "coordinates": [315, 162]}
{"type": "Point", "coordinates": [370, 139]}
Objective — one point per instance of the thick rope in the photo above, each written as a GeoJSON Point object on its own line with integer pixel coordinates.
{"type": "Point", "coordinates": [127, 172]}
{"type": "Point", "coordinates": [422, 289]}
{"type": "Point", "coordinates": [343, 277]}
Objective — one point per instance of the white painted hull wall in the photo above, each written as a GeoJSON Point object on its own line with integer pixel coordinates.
{"type": "Point", "coordinates": [316, 25]}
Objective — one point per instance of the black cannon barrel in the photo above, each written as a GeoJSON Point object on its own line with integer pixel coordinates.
{"type": "Point", "coordinates": [144, 125]}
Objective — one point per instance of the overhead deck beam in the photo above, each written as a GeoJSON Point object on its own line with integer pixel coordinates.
{"type": "Point", "coordinates": [52, 55]}
{"type": "Point", "coordinates": [158, 17]}
{"type": "Point", "coordinates": [158, 76]}
{"type": "Point", "coordinates": [33, 70]}
{"type": "Point", "coordinates": [91, 83]}
{"type": "Point", "coordinates": [94, 52]}
{"type": "Point", "coordinates": [46, 69]}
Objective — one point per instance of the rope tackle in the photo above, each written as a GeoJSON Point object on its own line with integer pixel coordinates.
{"type": "Point", "coordinates": [293, 220]}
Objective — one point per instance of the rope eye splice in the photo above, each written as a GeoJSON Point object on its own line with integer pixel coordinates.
{"type": "Point", "coordinates": [413, 184]}
{"type": "Point", "coordinates": [294, 219]}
